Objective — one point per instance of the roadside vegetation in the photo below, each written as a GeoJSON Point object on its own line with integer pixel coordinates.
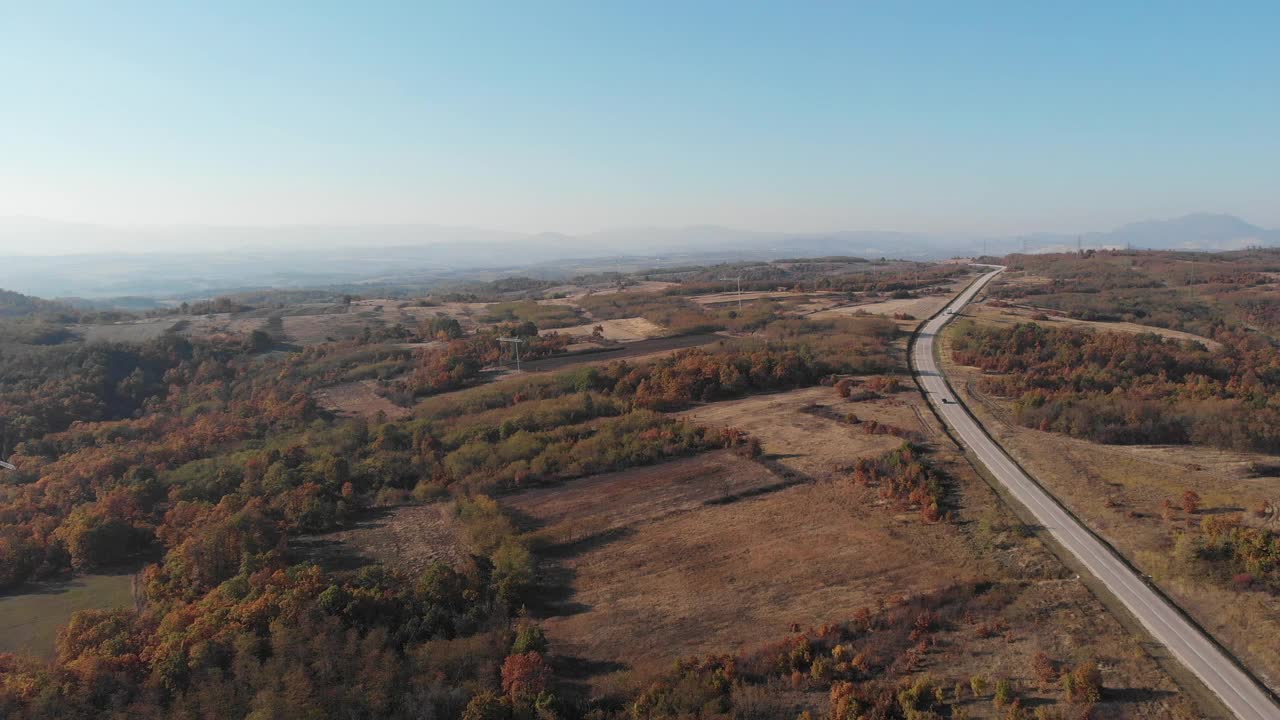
{"type": "Point", "coordinates": [1166, 445]}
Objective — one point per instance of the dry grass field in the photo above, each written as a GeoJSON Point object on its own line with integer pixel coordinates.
{"type": "Point", "coordinates": [1118, 491]}
{"type": "Point", "coordinates": [718, 553]}
{"type": "Point", "coordinates": [201, 326]}
{"type": "Point", "coordinates": [919, 308]}
{"type": "Point", "coordinates": [634, 352]}
{"type": "Point", "coordinates": [409, 537]}
{"type": "Point", "coordinates": [321, 328]}
{"type": "Point", "coordinates": [130, 332]}
{"type": "Point", "coordinates": [733, 297]}
{"type": "Point", "coordinates": [359, 398]}
{"type": "Point", "coordinates": [813, 445]}
{"type": "Point", "coordinates": [620, 330]}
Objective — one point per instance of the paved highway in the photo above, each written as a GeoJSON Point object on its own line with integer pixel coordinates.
{"type": "Point", "coordinates": [1238, 691]}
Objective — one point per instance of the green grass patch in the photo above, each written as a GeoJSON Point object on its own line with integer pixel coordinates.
{"type": "Point", "coordinates": [29, 621]}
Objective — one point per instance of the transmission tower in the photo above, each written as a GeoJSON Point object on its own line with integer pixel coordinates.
{"type": "Point", "coordinates": [515, 344]}
{"type": "Point", "coordinates": [739, 280]}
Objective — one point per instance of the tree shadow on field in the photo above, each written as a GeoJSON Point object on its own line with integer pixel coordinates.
{"type": "Point", "coordinates": [580, 546]}
{"type": "Point", "coordinates": [573, 674]}
{"type": "Point", "coordinates": [555, 593]}
{"type": "Point", "coordinates": [331, 555]}
{"type": "Point", "coordinates": [1134, 695]}
{"type": "Point", "coordinates": [578, 667]}
{"type": "Point", "coordinates": [336, 554]}
{"type": "Point", "coordinates": [524, 522]}
{"type": "Point", "coordinates": [556, 584]}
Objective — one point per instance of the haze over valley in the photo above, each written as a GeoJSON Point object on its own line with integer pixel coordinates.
{"type": "Point", "coordinates": [55, 259]}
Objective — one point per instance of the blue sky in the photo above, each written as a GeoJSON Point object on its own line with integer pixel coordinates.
{"type": "Point", "coordinates": [970, 117]}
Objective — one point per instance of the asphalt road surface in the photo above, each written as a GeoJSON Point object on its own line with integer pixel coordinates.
{"type": "Point", "coordinates": [1238, 691]}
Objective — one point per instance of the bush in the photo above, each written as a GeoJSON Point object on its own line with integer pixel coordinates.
{"type": "Point", "coordinates": [1083, 684]}
{"type": "Point", "coordinates": [529, 638]}
{"type": "Point", "coordinates": [1003, 694]}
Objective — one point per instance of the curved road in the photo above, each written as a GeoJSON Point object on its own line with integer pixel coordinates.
{"type": "Point", "coordinates": [1242, 696]}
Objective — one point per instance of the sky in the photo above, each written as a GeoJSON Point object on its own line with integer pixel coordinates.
{"type": "Point", "coordinates": [578, 116]}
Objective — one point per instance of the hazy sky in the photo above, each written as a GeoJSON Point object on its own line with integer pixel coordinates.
{"type": "Point", "coordinates": [577, 116]}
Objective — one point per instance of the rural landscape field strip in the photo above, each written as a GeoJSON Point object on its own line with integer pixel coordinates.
{"type": "Point", "coordinates": [1238, 692]}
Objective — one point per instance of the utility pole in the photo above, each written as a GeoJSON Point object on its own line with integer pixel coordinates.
{"type": "Point", "coordinates": [515, 343]}
{"type": "Point", "coordinates": [1024, 246]}
{"type": "Point", "coordinates": [739, 280]}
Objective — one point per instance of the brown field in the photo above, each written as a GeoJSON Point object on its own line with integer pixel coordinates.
{"type": "Point", "coordinates": [731, 297]}
{"type": "Point", "coordinates": [1103, 484]}
{"type": "Point", "coordinates": [650, 286]}
{"type": "Point", "coordinates": [222, 323]}
{"type": "Point", "coordinates": [621, 330]}
{"type": "Point", "coordinates": [573, 291]}
{"type": "Point", "coordinates": [647, 493]}
{"type": "Point", "coordinates": [127, 332]}
{"type": "Point", "coordinates": [404, 312]}
{"type": "Point", "coordinates": [717, 553]}
{"type": "Point", "coordinates": [359, 398]}
{"type": "Point", "coordinates": [814, 445]}
{"type": "Point", "coordinates": [814, 304]}
{"type": "Point", "coordinates": [151, 328]}
{"type": "Point", "coordinates": [634, 352]}
{"type": "Point", "coordinates": [317, 329]}
{"type": "Point", "coordinates": [792, 303]}
{"type": "Point", "coordinates": [410, 538]}
{"type": "Point", "coordinates": [920, 308]}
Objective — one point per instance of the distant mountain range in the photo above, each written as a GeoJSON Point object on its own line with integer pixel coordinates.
{"type": "Point", "coordinates": [51, 259]}
{"type": "Point", "coordinates": [1199, 231]}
